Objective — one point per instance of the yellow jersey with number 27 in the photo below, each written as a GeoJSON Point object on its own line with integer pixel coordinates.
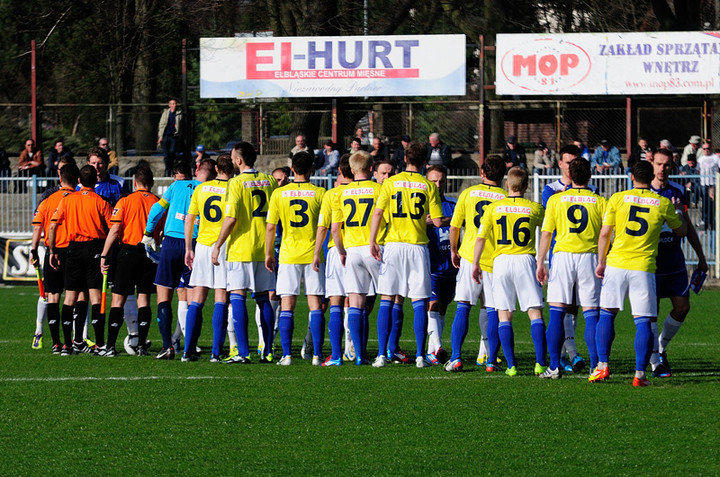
{"type": "Point", "coordinates": [354, 209]}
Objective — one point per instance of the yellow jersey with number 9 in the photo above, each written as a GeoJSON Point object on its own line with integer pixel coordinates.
{"type": "Point", "coordinates": [208, 203]}
{"type": "Point", "coordinates": [638, 216]}
{"type": "Point", "coordinates": [297, 206]}
{"type": "Point", "coordinates": [410, 198]}
{"type": "Point", "coordinates": [510, 224]}
{"type": "Point", "coordinates": [355, 207]}
{"type": "Point", "coordinates": [577, 215]}
{"type": "Point", "coordinates": [248, 197]}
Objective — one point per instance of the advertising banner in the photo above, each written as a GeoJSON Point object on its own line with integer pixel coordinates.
{"type": "Point", "coordinates": [608, 63]}
{"type": "Point", "coordinates": [15, 256]}
{"type": "Point", "coordinates": [293, 67]}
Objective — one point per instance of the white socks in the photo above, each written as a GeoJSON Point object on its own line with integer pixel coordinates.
{"type": "Point", "coordinates": [483, 322]}
{"type": "Point", "coordinates": [261, 341]}
{"type": "Point", "coordinates": [346, 327]}
{"type": "Point", "coordinates": [182, 315]}
{"type": "Point", "coordinates": [655, 356]}
{"type": "Point", "coordinates": [130, 315]}
{"type": "Point", "coordinates": [570, 322]}
{"type": "Point", "coordinates": [670, 329]}
{"type": "Point", "coordinates": [434, 330]}
{"type": "Point", "coordinates": [41, 316]}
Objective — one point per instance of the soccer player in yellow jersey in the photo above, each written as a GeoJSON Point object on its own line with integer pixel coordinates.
{"type": "Point", "coordinates": [637, 217]}
{"type": "Point", "coordinates": [405, 262]}
{"type": "Point", "coordinates": [244, 229]}
{"type": "Point", "coordinates": [207, 203]}
{"type": "Point", "coordinates": [297, 206]}
{"type": "Point", "coordinates": [468, 212]}
{"type": "Point", "coordinates": [334, 266]}
{"type": "Point", "coordinates": [576, 215]}
{"type": "Point", "coordinates": [509, 224]}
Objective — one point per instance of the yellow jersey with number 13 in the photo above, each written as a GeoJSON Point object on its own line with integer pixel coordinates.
{"type": "Point", "coordinates": [208, 202]}
{"type": "Point", "coordinates": [577, 216]}
{"type": "Point", "coordinates": [297, 206]}
{"type": "Point", "coordinates": [510, 224]}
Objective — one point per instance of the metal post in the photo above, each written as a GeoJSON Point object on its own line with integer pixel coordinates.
{"type": "Point", "coordinates": [410, 120]}
{"type": "Point", "coordinates": [705, 119]}
{"type": "Point", "coordinates": [34, 192]}
{"type": "Point", "coordinates": [260, 129]}
{"type": "Point", "coordinates": [33, 95]}
{"type": "Point", "coordinates": [628, 126]}
{"type": "Point", "coordinates": [334, 120]}
{"type": "Point", "coordinates": [557, 125]}
{"type": "Point", "coordinates": [481, 101]}
{"type": "Point", "coordinates": [717, 227]}
{"type": "Point", "coordinates": [185, 109]}
{"type": "Point", "coordinates": [536, 188]}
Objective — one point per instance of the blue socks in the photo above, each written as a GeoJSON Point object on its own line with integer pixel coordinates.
{"type": "Point", "coordinates": [267, 318]}
{"type": "Point", "coordinates": [643, 342]}
{"type": "Point", "coordinates": [492, 334]}
{"type": "Point", "coordinates": [383, 325]}
{"type": "Point", "coordinates": [396, 328]}
{"type": "Point", "coordinates": [356, 330]}
{"type": "Point", "coordinates": [591, 322]}
{"type": "Point", "coordinates": [165, 319]}
{"type": "Point", "coordinates": [240, 323]}
{"type": "Point", "coordinates": [537, 331]}
{"type": "Point", "coordinates": [604, 334]}
{"type": "Point", "coordinates": [193, 312]}
{"type": "Point", "coordinates": [219, 324]}
{"type": "Point", "coordinates": [335, 330]}
{"type": "Point", "coordinates": [459, 329]}
{"type": "Point", "coordinates": [365, 331]}
{"type": "Point", "coordinates": [420, 325]}
{"type": "Point", "coordinates": [317, 329]}
{"type": "Point", "coordinates": [285, 326]}
{"type": "Point", "coordinates": [507, 339]}
{"type": "Point", "coordinates": [555, 335]}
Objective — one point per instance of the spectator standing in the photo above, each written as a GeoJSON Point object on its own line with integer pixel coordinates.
{"type": "Point", "coordinates": [379, 150]}
{"type": "Point", "coordinates": [606, 159]}
{"type": "Point", "coordinates": [639, 152]}
{"type": "Point", "coordinates": [692, 185]}
{"type": "Point", "coordinates": [169, 134]}
{"type": "Point", "coordinates": [31, 160]}
{"type": "Point", "coordinates": [514, 154]}
{"type": "Point", "coordinates": [355, 145]}
{"type": "Point", "coordinates": [438, 153]}
{"type": "Point", "coordinates": [56, 153]}
{"type": "Point", "coordinates": [708, 164]}
{"type": "Point", "coordinates": [364, 140]}
{"type": "Point", "coordinates": [584, 151]}
{"type": "Point", "coordinates": [691, 148]}
{"type": "Point", "coordinates": [114, 164]}
{"type": "Point", "coordinates": [398, 158]}
{"type": "Point", "coordinates": [544, 159]}
{"type": "Point", "coordinates": [329, 158]}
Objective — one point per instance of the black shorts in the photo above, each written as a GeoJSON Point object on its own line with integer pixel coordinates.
{"type": "Point", "coordinates": [82, 266]}
{"type": "Point", "coordinates": [133, 269]}
{"type": "Point", "coordinates": [54, 280]}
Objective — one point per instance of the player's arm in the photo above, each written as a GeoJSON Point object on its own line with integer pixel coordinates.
{"type": "Point", "coordinates": [603, 246]}
{"type": "Point", "coordinates": [374, 229]}
{"type": "Point", "coordinates": [112, 236]}
{"type": "Point", "coordinates": [435, 209]}
{"type": "Point", "coordinates": [227, 226]}
{"type": "Point", "coordinates": [335, 230]}
{"type": "Point", "coordinates": [541, 272]}
{"type": "Point", "coordinates": [682, 230]}
{"type": "Point", "coordinates": [154, 216]}
{"type": "Point", "coordinates": [270, 247]}
{"type": "Point", "coordinates": [694, 241]}
{"type": "Point", "coordinates": [319, 240]}
{"type": "Point", "coordinates": [37, 234]}
{"type": "Point", "coordinates": [454, 239]}
{"type": "Point", "coordinates": [479, 247]}
{"type": "Point", "coordinates": [189, 229]}
{"type": "Point", "coordinates": [52, 232]}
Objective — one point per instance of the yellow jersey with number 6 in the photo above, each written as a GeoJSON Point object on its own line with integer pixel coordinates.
{"type": "Point", "coordinates": [510, 224]}
{"type": "Point", "coordinates": [577, 215]}
{"type": "Point", "coordinates": [297, 206]}
{"type": "Point", "coordinates": [638, 216]}
{"type": "Point", "coordinates": [208, 203]}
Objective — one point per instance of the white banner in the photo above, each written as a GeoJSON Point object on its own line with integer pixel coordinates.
{"type": "Point", "coordinates": [403, 65]}
{"type": "Point", "coordinates": [608, 63]}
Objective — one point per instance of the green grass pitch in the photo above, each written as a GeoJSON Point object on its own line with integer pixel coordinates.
{"type": "Point", "coordinates": [138, 416]}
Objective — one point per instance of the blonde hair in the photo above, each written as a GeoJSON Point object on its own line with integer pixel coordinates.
{"type": "Point", "coordinates": [517, 179]}
{"type": "Point", "coordinates": [360, 161]}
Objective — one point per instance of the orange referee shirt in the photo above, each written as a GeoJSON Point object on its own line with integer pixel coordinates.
{"type": "Point", "coordinates": [44, 213]}
{"type": "Point", "coordinates": [132, 212]}
{"type": "Point", "coordinates": [85, 214]}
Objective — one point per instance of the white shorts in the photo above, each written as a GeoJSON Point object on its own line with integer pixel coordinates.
{"type": "Point", "coordinates": [405, 271]}
{"type": "Point", "coordinates": [466, 288]}
{"type": "Point", "coordinates": [361, 271]}
{"type": "Point", "coordinates": [204, 273]}
{"type": "Point", "coordinates": [514, 279]}
{"type": "Point", "coordinates": [616, 286]}
{"type": "Point", "coordinates": [334, 274]}
{"type": "Point", "coordinates": [572, 280]}
{"type": "Point", "coordinates": [290, 275]}
{"type": "Point", "coordinates": [487, 283]}
{"type": "Point", "coordinates": [249, 276]}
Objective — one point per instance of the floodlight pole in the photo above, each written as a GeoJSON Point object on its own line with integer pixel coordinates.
{"type": "Point", "coordinates": [481, 105]}
{"type": "Point", "coordinates": [184, 90]}
{"type": "Point", "coordinates": [628, 126]}
{"type": "Point", "coordinates": [33, 94]}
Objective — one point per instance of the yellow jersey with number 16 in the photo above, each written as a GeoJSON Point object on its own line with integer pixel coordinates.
{"type": "Point", "coordinates": [297, 206]}
{"type": "Point", "coordinates": [576, 214]}
{"type": "Point", "coordinates": [208, 202]}
{"type": "Point", "coordinates": [510, 224]}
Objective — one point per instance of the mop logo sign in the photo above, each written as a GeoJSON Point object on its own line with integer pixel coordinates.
{"type": "Point", "coordinates": [546, 65]}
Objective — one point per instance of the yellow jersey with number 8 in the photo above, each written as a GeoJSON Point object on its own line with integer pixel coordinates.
{"type": "Point", "coordinates": [510, 225]}
{"type": "Point", "coordinates": [208, 203]}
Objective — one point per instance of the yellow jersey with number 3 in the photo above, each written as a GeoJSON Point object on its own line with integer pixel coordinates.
{"type": "Point", "coordinates": [577, 215]}
{"type": "Point", "coordinates": [248, 198]}
{"type": "Point", "coordinates": [510, 224]}
{"type": "Point", "coordinates": [208, 203]}
{"type": "Point", "coordinates": [326, 212]}
{"type": "Point", "coordinates": [638, 216]}
{"type": "Point", "coordinates": [409, 198]}
{"type": "Point", "coordinates": [469, 210]}
{"type": "Point", "coordinates": [354, 209]}
{"type": "Point", "coordinates": [297, 206]}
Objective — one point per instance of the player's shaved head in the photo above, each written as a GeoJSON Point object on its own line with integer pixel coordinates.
{"type": "Point", "coordinates": [517, 180]}
{"type": "Point", "coordinates": [225, 165]}
{"type": "Point", "coordinates": [580, 171]}
{"type": "Point", "coordinates": [144, 177]}
{"type": "Point", "coordinates": [416, 154]}
{"type": "Point", "coordinates": [69, 174]}
{"type": "Point", "coordinates": [246, 151]}
{"type": "Point", "coordinates": [344, 167]}
{"type": "Point", "coordinates": [494, 168]}
{"type": "Point", "coordinates": [207, 166]}
{"type": "Point", "coordinates": [361, 161]}
{"type": "Point", "coordinates": [642, 172]}
{"type": "Point", "coordinates": [302, 163]}
{"type": "Point", "coordinates": [88, 176]}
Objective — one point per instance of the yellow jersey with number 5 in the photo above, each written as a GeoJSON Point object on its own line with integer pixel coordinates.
{"type": "Point", "coordinates": [354, 209]}
{"type": "Point", "coordinates": [510, 224]}
{"type": "Point", "coordinates": [638, 216]}
{"type": "Point", "coordinates": [409, 198]}
{"type": "Point", "coordinates": [208, 203]}
{"type": "Point", "coordinates": [248, 198]}
{"type": "Point", "coordinates": [297, 206]}
{"type": "Point", "coordinates": [576, 214]}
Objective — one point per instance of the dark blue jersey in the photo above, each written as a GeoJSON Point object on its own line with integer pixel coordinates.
{"type": "Point", "coordinates": [439, 245]}
{"type": "Point", "coordinates": [109, 189]}
{"type": "Point", "coordinates": [670, 257]}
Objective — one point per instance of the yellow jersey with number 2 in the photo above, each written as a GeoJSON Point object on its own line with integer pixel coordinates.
{"type": "Point", "coordinates": [510, 224]}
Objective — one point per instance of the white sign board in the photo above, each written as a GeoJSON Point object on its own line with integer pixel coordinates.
{"type": "Point", "coordinates": [608, 63]}
{"type": "Point", "coordinates": [403, 65]}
